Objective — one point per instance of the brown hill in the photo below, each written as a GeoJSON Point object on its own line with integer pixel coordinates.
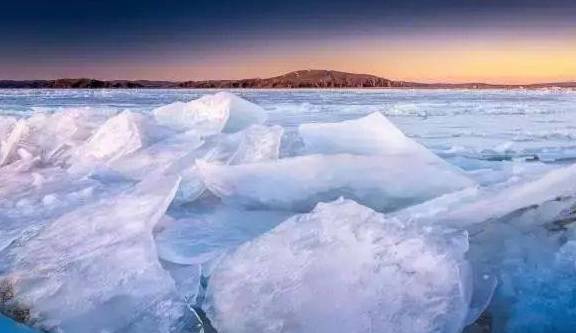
{"type": "Point", "coordinates": [299, 79]}
{"type": "Point", "coordinates": [314, 78]}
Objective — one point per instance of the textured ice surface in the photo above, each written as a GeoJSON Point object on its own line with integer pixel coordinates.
{"type": "Point", "coordinates": [343, 268]}
{"type": "Point", "coordinates": [381, 182]}
{"type": "Point", "coordinates": [95, 269]}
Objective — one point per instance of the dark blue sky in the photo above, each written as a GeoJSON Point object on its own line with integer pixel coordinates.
{"type": "Point", "coordinates": [54, 38]}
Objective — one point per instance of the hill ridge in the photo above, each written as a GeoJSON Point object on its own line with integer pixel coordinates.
{"type": "Point", "coordinates": [309, 78]}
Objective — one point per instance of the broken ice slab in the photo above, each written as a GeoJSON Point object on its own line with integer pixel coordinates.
{"type": "Point", "coordinates": [382, 182]}
{"type": "Point", "coordinates": [96, 268]}
{"type": "Point", "coordinates": [475, 205]}
{"type": "Point", "coordinates": [343, 268]}
{"type": "Point", "coordinates": [211, 114]}
{"type": "Point", "coordinates": [373, 134]}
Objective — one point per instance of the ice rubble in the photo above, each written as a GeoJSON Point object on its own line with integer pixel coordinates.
{"type": "Point", "coordinates": [391, 170]}
{"type": "Point", "coordinates": [49, 137]}
{"type": "Point", "coordinates": [70, 217]}
{"type": "Point", "coordinates": [29, 200]}
{"type": "Point", "coordinates": [99, 260]}
{"type": "Point", "coordinates": [178, 153]}
{"type": "Point", "coordinates": [81, 193]}
{"type": "Point", "coordinates": [343, 268]}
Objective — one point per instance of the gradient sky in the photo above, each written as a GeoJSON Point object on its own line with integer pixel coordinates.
{"type": "Point", "coordinates": [501, 41]}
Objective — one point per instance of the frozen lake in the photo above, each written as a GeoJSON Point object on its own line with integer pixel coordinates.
{"type": "Point", "coordinates": [406, 211]}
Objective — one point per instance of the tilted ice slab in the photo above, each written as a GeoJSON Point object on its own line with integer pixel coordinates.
{"type": "Point", "coordinates": [118, 136]}
{"type": "Point", "coordinates": [96, 269]}
{"type": "Point", "coordinates": [343, 268]}
{"type": "Point", "coordinates": [476, 205]}
{"type": "Point", "coordinates": [381, 182]}
{"type": "Point", "coordinates": [369, 135]}
{"type": "Point", "coordinates": [9, 147]}
{"type": "Point", "coordinates": [211, 114]}
{"type": "Point", "coordinates": [171, 154]}
{"type": "Point", "coordinates": [257, 144]}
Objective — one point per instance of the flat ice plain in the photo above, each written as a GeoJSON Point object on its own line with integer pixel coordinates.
{"type": "Point", "coordinates": [288, 211]}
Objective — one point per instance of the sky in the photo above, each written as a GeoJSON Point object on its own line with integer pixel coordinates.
{"type": "Point", "coordinates": [498, 41]}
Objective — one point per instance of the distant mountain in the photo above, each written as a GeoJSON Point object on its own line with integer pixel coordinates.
{"type": "Point", "coordinates": [299, 79]}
